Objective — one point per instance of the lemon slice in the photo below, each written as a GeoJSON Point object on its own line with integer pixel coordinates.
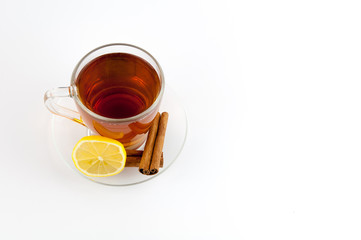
{"type": "Point", "coordinates": [97, 156]}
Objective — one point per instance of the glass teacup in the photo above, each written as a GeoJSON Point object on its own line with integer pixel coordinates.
{"type": "Point", "coordinates": [117, 89]}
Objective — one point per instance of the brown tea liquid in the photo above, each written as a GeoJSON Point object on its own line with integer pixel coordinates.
{"type": "Point", "coordinates": [118, 85]}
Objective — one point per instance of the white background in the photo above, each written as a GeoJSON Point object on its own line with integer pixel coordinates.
{"type": "Point", "coordinates": [272, 93]}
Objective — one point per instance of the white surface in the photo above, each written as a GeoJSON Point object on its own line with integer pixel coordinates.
{"type": "Point", "coordinates": [272, 92]}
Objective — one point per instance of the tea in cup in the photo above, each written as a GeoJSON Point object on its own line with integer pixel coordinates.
{"type": "Point", "coordinates": [117, 90]}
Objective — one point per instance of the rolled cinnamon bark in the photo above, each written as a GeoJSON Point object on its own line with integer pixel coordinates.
{"type": "Point", "coordinates": [149, 145]}
{"type": "Point", "coordinates": [159, 142]}
{"type": "Point", "coordinates": [134, 153]}
{"type": "Point", "coordinates": [134, 161]}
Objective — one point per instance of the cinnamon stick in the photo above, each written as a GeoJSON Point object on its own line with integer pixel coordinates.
{"type": "Point", "coordinates": [148, 149]}
{"type": "Point", "coordinates": [134, 153]}
{"type": "Point", "coordinates": [159, 142]}
{"type": "Point", "coordinates": [134, 161]}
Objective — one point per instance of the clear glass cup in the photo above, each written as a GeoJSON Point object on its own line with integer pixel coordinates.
{"type": "Point", "coordinates": [131, 131]}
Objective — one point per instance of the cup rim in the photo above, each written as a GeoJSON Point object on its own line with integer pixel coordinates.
{"type": "Point", "coordinates": [74, 91]}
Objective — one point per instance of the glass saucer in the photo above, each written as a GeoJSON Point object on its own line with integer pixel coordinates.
{"type": "Point", "coordinates": [66, 133]}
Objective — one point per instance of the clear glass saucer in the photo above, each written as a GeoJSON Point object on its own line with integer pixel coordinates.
{"type": "Point", "coordinates": [66, 133]}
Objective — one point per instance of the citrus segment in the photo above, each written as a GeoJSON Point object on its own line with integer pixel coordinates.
{"type": "Point", "coordinates": [97, 156]}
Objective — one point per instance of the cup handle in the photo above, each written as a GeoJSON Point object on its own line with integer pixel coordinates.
{"type": "Point", "coordinates": [50, 102]}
